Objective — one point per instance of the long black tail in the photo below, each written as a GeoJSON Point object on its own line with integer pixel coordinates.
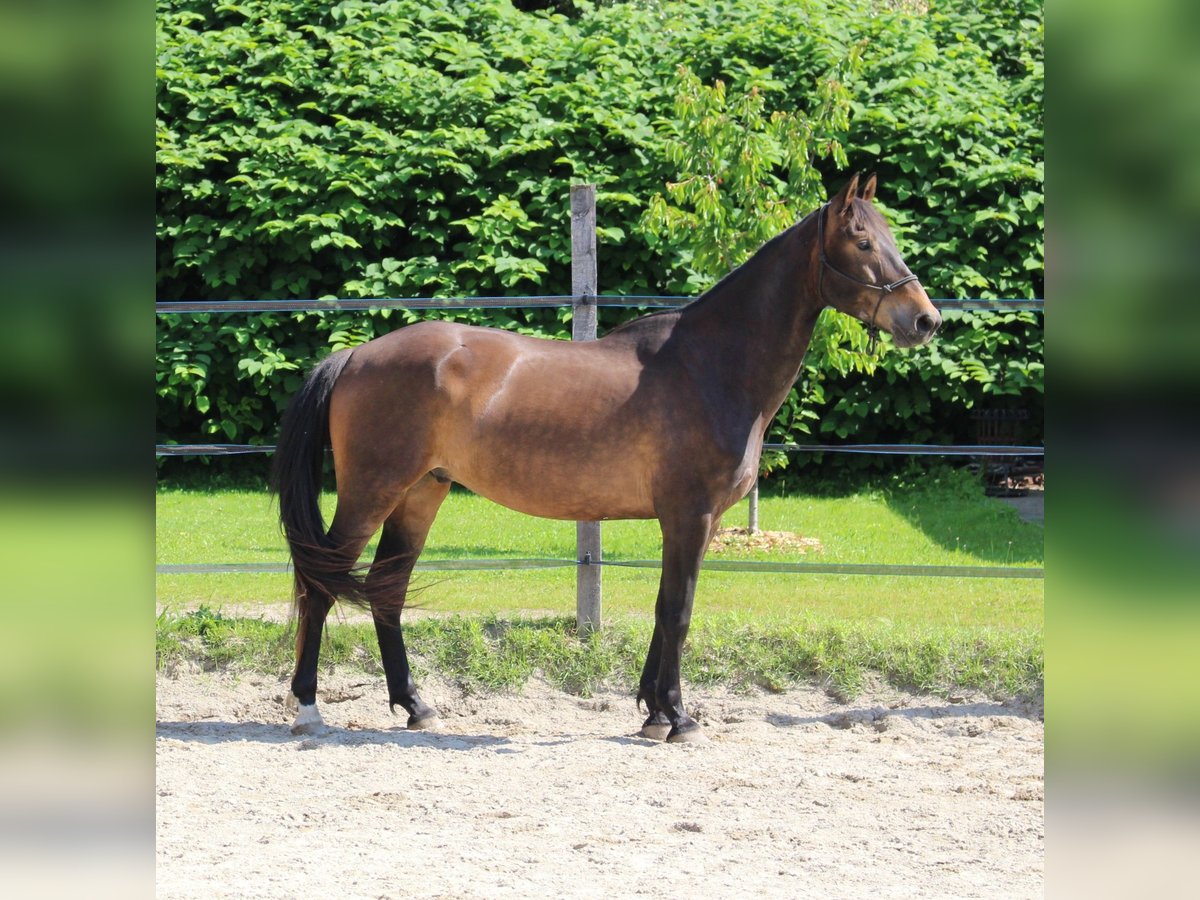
{"type": "Point", "coordinates": [322, 574]}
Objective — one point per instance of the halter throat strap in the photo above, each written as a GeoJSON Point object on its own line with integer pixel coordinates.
{"type": "Point", "coordinates": [884, 289]}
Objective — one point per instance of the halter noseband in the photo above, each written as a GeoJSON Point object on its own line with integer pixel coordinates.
{"type": "Point", "coordinates": [884, 289]}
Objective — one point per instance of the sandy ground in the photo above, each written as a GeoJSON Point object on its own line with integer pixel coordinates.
{"type": "Point", "coordinates": [542, 794]}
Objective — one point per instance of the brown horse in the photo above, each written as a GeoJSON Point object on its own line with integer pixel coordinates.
{"type": "Point", "coordinates": [665, 414]}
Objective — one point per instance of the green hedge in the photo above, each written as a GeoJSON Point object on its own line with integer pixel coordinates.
{"type": "Point", "coordinates": [362, 149]}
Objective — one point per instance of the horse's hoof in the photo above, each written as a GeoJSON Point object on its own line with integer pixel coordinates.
{"type": "Point", "coordinates": [692, 734]}
{"type": "Point", "coordinates": [309, 721]}
{"type": "Point", "coordinates": [428, 722]}
{"type": "Point", "coordinates": [656, 727]}
{"type": "Point", "coordinates": [655, 732]}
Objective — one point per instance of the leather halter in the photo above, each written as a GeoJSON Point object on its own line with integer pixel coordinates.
{"type": "Point", "coordinates": [884, 289]}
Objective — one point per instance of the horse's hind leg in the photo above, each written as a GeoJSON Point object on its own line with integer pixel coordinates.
{"type": "Point", "coordinates": [350, 530]}
{"type": "Point", "coordinates": [309, 626]}
{"type": "Point", "coordinates": [403, 539]}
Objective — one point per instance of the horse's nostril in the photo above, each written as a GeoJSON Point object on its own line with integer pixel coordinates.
{"type": "Point", "coordinates": [926, 324]}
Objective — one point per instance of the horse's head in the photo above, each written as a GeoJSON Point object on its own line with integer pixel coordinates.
{"type": "Point", "coordinates": [862, 274]}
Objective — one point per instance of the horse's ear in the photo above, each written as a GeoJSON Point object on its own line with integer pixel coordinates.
{"type": "Point", "coordinates": [841, 203]}
{"type": "Point", "coordinates": [868, 190]}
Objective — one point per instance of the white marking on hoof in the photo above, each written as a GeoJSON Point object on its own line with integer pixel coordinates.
{"type": "Point", "coordinates": [655, 732]}
{"type": "Point", "coordinates": [693, 736]}
{"type": "Point", "coordinates": [429, 723]}
{"type": "Point", "coordinates": [309, 721]}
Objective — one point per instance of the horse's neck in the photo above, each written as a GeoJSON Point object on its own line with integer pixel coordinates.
{"type": "Point", "coordinates": [759, 319]}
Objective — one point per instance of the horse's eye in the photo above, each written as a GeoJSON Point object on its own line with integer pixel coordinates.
{"type": "Point", "coordinates": [864, 245]}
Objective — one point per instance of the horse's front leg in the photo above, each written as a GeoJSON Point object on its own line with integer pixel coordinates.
{"type": "Point", "coordinates": [684, 541]}
{"type": "Point", "coordinates": [657, 725]}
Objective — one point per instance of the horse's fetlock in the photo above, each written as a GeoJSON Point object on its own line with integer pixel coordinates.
{"type": "Point", "coordinates": [645, 695]}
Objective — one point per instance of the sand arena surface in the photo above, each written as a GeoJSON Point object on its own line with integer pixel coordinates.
{"type": "Point", "coordinates": [545, 794]}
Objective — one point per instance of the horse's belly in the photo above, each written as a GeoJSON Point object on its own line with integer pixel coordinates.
{"type": "Point", "coordinates": [556, 436]}
{"type": "Point", "coordinates": [557, 486]}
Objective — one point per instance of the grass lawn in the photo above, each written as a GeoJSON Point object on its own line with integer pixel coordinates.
{"type": "Point", "coordinates": [946, 522]}
{"type": "Point", "coordinates": [496, 628]}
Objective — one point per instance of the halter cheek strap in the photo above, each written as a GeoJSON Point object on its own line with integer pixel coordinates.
{"type": "Point", "coordinates": [884, 289]}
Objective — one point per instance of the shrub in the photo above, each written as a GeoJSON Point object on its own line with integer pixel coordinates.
{"type": "Point", "coordinates": [360, 149]}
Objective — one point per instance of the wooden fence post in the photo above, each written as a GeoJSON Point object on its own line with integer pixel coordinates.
{"type": "Point", "coordinates": [583, 328]}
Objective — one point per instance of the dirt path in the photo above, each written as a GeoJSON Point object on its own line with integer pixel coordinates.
{"type": "Point", "coordinates": [1031, 507]}
{"type": "Point", "coordinates": [546, 795]}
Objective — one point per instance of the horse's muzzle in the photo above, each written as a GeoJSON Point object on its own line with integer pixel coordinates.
{"type": "Point", "coordinates": [922, 330]}
{"type": "Point", "coordinates": [926, 325]}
